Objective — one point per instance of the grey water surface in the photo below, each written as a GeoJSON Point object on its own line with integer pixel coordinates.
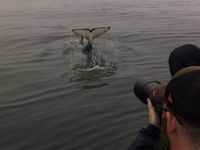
{"type": "Point", "coordinates": [49, 102]}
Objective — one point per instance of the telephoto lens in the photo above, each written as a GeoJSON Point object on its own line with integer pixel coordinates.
{"type": "Point", "coordinates": [143, 89]}
{"type": "Point", "coordinates": [147, 88]}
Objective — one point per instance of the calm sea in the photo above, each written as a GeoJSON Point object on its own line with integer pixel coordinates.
{"type": "Point", "coordinates": [48, 102]}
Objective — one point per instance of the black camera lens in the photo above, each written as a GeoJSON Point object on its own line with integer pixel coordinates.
{"type": "Point", "coordinates": [144, 89]}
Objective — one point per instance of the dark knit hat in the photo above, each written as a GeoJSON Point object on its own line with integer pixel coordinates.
{"type": "Point", "coordinates": [182, 95]}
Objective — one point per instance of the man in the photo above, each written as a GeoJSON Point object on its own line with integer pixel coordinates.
{"type": "Point", "coordinates": [179, 128]}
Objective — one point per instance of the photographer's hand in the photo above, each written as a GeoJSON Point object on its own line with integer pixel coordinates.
{"type": "Point", "coordinates": [153, 115]}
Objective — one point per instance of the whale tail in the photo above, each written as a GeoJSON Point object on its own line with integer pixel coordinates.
{"type": "Point", "coordinates": [91, 34]}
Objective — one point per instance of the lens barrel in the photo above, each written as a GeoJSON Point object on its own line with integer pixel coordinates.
{"type": "Point", "coordinates": [143, 89]}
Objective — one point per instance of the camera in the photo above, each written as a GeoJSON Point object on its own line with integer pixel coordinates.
{"type": "Point", "coordinates": [144, 88]}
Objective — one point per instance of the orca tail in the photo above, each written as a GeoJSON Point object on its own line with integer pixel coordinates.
{"type": "Point", "coordinates": [91, 34]}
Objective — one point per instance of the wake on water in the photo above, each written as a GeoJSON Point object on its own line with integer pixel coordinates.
{"type": "Point", "coordinates": [104, 59]}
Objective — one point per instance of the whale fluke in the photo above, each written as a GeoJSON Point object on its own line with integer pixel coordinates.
{"type": "Point", "coordinates": [91, 34]}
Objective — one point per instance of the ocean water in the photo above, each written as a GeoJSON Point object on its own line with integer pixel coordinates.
{"type": "Point", "coordinates": [49, 102]}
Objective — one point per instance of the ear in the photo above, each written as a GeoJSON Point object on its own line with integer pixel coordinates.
{"type": "Point", "coordinates": [171, 123]}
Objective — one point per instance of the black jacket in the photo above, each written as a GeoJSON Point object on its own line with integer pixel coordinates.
{"type": "Point", "coordinates": [146, 138]}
